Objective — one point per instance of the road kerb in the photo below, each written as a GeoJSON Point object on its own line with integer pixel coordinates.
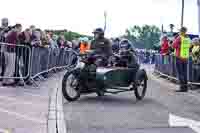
{"type": "Point", "coordinates": [61, 125]}
{"type": "Point", "coordinates": [51, 120]}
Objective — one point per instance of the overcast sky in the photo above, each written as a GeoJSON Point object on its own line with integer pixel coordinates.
{"type": "Point", "coordinates": [84, 15]}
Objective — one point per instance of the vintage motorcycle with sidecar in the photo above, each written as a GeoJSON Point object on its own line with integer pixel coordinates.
{"type": "Point", "coordinates": [88, 77]}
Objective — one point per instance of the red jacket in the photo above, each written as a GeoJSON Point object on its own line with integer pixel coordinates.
{"type": "Point", "coordinates": [12, 38]}
{"type": "Point", "coordinates": [164, 47]}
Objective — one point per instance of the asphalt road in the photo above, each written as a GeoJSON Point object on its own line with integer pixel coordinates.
{"type": "Point", "coordinates": [25, 109]}
{"type": "Point", "coordinates": [122, 113]}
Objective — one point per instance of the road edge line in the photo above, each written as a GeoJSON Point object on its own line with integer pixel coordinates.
{"type": "Point", "coordinates": [60, 119]}
{"type": "Point", "coordinates": [51, 118]}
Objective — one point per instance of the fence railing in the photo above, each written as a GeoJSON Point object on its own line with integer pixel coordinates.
{"type": "Point", "coordinates": [166, 65]}
{"type": "Point", "coordinates": [22, 62]}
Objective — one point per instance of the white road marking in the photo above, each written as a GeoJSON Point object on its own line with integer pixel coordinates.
{"type": "Point", "coordinates": [24, 117]}
{"type": "Point", "coordinates": [60, 113]}
{"type": "Point", "coordinates": [36, 95]}
{"type": "Point", "coordinates": [177, 121]}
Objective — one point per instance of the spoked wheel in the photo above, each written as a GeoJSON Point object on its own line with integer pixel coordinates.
{"type": "Point", "coordinates": [70, 86]}
{"type": "Point", "coordinates": [141, 81]}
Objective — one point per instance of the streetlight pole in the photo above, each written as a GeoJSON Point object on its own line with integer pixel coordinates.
{"type": "Point", "coordinates": [182, 12]}
{"type": "Point", "coordinates": [198, 4]}
{"type": "Point", "coordinates": [105, 20]}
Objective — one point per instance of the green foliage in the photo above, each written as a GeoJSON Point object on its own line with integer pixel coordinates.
{"type": "Point", "coordinates": [145, 36]}
{"type": "Point", "coordinates": [69, 35]}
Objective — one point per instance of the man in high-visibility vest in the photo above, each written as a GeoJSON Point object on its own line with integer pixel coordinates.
{"type": "Point", "coordinates": [182, 47]}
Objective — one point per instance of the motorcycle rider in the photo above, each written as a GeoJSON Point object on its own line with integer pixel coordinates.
{"type": "Point", "coordinates": [128, 54]}
{"type": "Point", "coordinates": [101, 45]}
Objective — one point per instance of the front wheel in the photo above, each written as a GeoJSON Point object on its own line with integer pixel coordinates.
{"type": "Point", "coordinates": [70, 86]}
{"type": "Point", "coordinates": [141, 84]}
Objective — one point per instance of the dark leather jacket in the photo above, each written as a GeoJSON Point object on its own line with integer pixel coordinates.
{"type": "Point", "coordinates": [102, 47]}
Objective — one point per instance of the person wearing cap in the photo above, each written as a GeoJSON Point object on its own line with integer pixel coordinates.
{"type": "Point", "coordinates": [101, 45]}
{"type": "Point", "coordinates": [182, 47]}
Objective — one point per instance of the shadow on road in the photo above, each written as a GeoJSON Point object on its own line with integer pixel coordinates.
{"type": "Point", "coordinates": [114, 101]}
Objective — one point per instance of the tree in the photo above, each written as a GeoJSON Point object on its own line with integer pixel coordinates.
{"type": "Point", "coordinates": [69, 35]}
{"type": "Point", "coordinates": [143, 37]}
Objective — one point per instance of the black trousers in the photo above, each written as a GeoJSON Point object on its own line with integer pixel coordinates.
{"type": "Point", "coordinates": [2, 63]}
{"type": "Point", "coordinates": [181, 67]}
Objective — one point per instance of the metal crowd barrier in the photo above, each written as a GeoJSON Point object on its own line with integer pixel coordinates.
{"type": "Point", "coordinates": [166, 65]}
{"type": "Point", "coordinates": [27, 62]}
{"type": "Point", "coordinates": [46, 59]}
{"type": "Point", "coordinates": [14, 61]}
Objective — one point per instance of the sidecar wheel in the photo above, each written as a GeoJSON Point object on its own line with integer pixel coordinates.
{"type": "Point", "coordinates": [70, 84]}
{"type": "Point", "coordinates": [141, 84]}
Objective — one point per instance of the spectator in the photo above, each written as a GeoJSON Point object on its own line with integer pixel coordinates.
{"type": "Point", "coordinates": [12, 38]}
{"type": "Point", "coordinates": [53, 41]}
{"type": "Point", "coordinates": [44, 53]}
{"type": "Point", "coordinates": [4, 29]}
{"type": "Point", "coordinates": [61, 41]}
{"type": "Point", "coordinates": [53, 44]}
{"type": "Point", "coordinates": [32, 29]}
{"type": "Point", "coordinates": [164, 46]}
{"type": "Point", "coordinates": [182, 46]}
{"type": "Point", "coordinates": [75, 45]}
{"type": "Point", "coordinates": [171, 50]}
{"type": "Point", "coordinates": [36, 38]}
{"type": "Point", "coordinates": [196, 59]}
{"type": "Point", "coordinates": [25, 39]}
{"type": "Point", "coordinates": [84, 45]}
{"type": "Point", "coordinates": [44, 39]}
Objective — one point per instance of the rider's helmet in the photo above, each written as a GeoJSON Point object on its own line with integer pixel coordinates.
{"type": "Point", "coordinates": [98, 33]}
{"type": "Point", "coordinates": [125, 45]}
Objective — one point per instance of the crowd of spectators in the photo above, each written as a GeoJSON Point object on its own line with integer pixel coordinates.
{"type": "Point", "coordinates": [146, 56]}
{"type": "Point", "coordinates": [10, 36]}
{"type": "Point", "coordinates": [185, 52]}
{"type": "Point", "coordinates": [168, 49]}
